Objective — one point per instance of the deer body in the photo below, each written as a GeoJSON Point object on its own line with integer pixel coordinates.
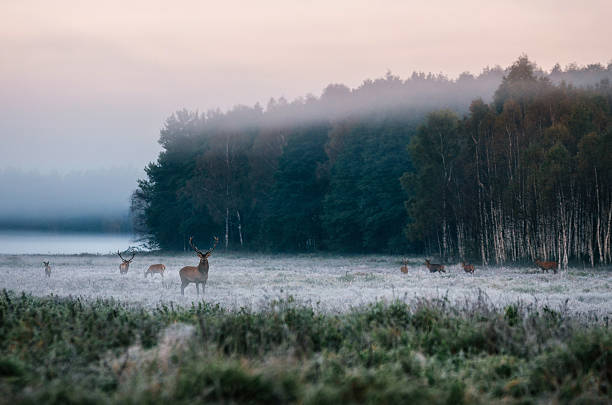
{"type": "Point", "coordinates": [547, 266]}
{"type": "Point", "coordinates": [155, 269]}
{"type": "Point", "coordinates": [404, 267]}
{"type": "Point", "coordinates": [435, 267]}
{"type": "Point", "coordinates": [468, 268]}
{"type": "Point", "coordinates": [47, 269]}
{"type": "Point", "coordinates": [125, 266]}
{"type": "Point", "coordinates": [196, 274]}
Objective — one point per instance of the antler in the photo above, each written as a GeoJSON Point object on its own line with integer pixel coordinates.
{"type": "Point", "coordinates": [213, 247]}
{"type": "Point", "coordinates": [131, 258]}
{"type": "Point", "coordinates": [198, 251]}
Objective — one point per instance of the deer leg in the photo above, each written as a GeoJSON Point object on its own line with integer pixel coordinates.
{"type": "Point", "coordinates": [198, 288]}
{"type": "Point", "coordinates": [183, 285]}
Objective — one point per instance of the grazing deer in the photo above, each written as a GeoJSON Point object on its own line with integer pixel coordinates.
{"type": "Point", "coordinates": [125, 266]}
{"type": "Point", "coordinates": [404, 267]}
{"type": "Point", "coordinates": [155, 269]}
{"type": "Point", "coordinates": [47, 269]}
{"type": "Point", "coordinates": [199, 274]}
{"type": "Point", "coordinates": [434, 267]}
{"type": "Point", "coordinates": [547, 266]}
{"type": "Point", "coordinates": [468, 268]}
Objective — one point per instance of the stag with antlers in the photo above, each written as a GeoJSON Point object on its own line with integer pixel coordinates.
{"type": "Point", "coordinates": [125, 266]}
{"type": "Point", "coordinates": [197, 274]}
{"type": "Point", "coordinates": [47, 269]}
{"type": "Point", "coordinates": [434, 267]}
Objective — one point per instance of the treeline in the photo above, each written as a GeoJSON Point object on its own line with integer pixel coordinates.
{"type": "Point", "coordinates": [315, 173]}
{"type": "Point", "coordinates": [527, 176]}
{"type": "Point", "coordinates": [324, 173]}
{"type": "Point", "coordinates": [321, 185]}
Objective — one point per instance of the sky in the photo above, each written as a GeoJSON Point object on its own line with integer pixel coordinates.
{"type": "Point", "coordinates": [87, 85]}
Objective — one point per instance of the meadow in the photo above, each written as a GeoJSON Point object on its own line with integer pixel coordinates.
{"type": "Point", "coordinates": [323, 282]}
{"type": "Point", "coordinates": [301, 329]}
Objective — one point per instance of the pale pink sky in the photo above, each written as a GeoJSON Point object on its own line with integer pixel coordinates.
{"type": "Point", "coordinates": [88, 84]}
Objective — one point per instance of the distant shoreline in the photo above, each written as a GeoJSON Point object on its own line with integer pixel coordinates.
{"type": "Point", "coordinates": [106, 225]}
{"type": "Point", "coordinates": [50, 242]}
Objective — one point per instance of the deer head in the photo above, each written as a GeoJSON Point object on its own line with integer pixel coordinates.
{"type": "Point", "coordinates": [129, 260]}
{"type": "Point", "coordinates": [203, 255]}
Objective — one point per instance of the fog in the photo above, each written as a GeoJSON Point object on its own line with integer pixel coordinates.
{"type": "Point", "coordinates": [88, 85]}
{"type": "Point", "coordinates": [33, 198]}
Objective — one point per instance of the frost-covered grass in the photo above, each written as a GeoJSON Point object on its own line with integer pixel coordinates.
{"type": "Point", "coordinates": [74, 351]}
{"type": "Point", "coordinates": [327, 283]}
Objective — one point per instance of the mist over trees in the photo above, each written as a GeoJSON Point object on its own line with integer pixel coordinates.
{"type": "Point", "coordinates": [324, 173]}
{"type": "Point", "coordinates": [527, 176]}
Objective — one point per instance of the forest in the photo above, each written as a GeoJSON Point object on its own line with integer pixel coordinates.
{"type": "Point", "coordinates": [510, 165]}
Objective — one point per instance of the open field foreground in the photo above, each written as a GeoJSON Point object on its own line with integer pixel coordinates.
{"type": "Point", "coordinates": [327, 283]}
{"type": "Point", "coordinates": [73, 351]}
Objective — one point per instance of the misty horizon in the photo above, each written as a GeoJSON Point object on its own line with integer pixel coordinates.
{"type": "Point", "coordinates": [122, 153]}
{"type": "Point", "coordinates": [34, 195]}
{"type": "Point", "coordinates": [89, 86]}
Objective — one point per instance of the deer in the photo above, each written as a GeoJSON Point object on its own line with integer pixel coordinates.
{"type": "Point", "coordinates": [47, 269]}
{"type": "Point", "coordinates": [434, 267]}
{"type": "Point", "coordinates": [197, 274]}
{"type": "Point", "coordinates": [155, 269]}
{"type": "Point", "coordinates": [468, 268]}
{"type": "Point", "coordinates": [547, 266]}
{"type": "Point", "coordinates": [125, 266]}
{"type": "Point", "coordinates": [404, 267]}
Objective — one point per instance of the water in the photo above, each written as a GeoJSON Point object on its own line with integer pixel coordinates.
{"type": "Point", "coordinates": [36, 242]}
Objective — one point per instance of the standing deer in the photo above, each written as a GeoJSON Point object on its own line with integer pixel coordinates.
{"type": "Point", "coordinates": [155, 269]}
{"type": "Point", "coordinates": [404, 267]}
{"type": "Point", "coordinates": [434, 267]}
{"type": "Point", "coordinates": [468, 268]}
{"type": "Point", "coordinates": [47, 269]}
{"type": "Point", "coordinates": [125, 266]}
{"type": "Point", "coordinates": [199, 274]}
{"type": "Point", "coordinates": [547, 266]}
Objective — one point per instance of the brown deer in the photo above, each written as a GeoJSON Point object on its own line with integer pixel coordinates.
{"type": "Point", "coordinates": [47, 269]}
{"type": "Point", "coordinates": [199, 274]}
{"type": "Point", "coordinates": [547, 266]}
{"type": "Point", "coordinates": [155, 269]}
{"type": "Point", "coordinates": [404, 267]}
{"type": "Point", "coordinates": [125, 266]}
{"type": "Point", "coordinates": [434, 267]}
{"type": "Point", "coordinates": [468, 268]}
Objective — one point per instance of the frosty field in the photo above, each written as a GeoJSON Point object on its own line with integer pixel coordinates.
{"type": "Point", "coordinates": [328, 283]}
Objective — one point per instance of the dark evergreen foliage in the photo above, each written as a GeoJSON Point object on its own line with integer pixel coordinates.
{"type": "Point", "coordinates": [525, 176]}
